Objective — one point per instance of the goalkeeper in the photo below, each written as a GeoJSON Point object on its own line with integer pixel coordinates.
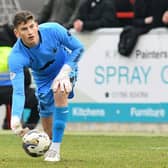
{"type": "Point", "coordinates": [53, 54]}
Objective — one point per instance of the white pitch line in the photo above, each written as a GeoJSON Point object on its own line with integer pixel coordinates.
{"type": "Point", "coordinates": [159, 148]}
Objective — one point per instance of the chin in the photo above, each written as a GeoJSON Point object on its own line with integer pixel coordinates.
{"type": "Point", "coordinates": [33, 42]}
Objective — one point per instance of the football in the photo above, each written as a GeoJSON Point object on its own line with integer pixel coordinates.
{"type": "Point", "coordinates": [35, 143]}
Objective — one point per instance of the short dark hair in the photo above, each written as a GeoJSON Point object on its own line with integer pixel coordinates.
{"type": "Point", "coordinates": [22, 16]}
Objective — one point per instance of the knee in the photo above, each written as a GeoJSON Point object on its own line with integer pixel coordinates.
{"type": "Point", "coordinates": [61, 98]}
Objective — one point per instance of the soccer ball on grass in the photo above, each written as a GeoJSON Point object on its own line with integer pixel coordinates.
{"type": "Point", "coordinates": [36, 143]}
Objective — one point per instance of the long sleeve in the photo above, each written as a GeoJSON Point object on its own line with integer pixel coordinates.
{"type": "Point", "coordinates": [75, 14]}
{"type": "Point", "coordinates": [74, 46]}
{"type": "Point", "coordinates": [18, 99]}
{"type": "Point", "coordinates": [16, 68]}
{"type": "Point", "coordinates": [141, 12]}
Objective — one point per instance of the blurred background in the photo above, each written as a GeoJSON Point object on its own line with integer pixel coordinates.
{"type": "Point", "coordinates": [32, 5]}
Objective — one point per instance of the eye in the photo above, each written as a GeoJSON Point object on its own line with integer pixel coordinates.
{"type": "Point", "coordinates": [23, 28]}
{"type": "Point", "coordinates": [32, 26]}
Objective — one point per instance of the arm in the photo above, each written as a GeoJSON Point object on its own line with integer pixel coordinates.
{"type": "Point", "coordinates": [18, 93]}
{"type": "Point", "coordinates": [75, 49]}
{"type": "Point", "coordinates": [74, 16]}
{"type": "Point", "coordinates": [81, 13]}
{"type": "Point", "coordinates": [106, 18]}
{"type": "Point", "coordinates": [142, 13]}
{"type": "Point", "coordinates": [102, 16]}
{"type": "Point", "coordinates": [18, 97]}
{"type": "Point", "coordinates": [18, 100]}
{"type": "Point", "coordinates": [74, 46]}
{"type": "Point", "coordinates": [46, 11]}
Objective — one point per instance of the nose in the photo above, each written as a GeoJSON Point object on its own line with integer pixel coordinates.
{"type": "Point", "coordinates": [29, 30]}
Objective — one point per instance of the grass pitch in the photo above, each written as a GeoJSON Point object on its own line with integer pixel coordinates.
{"type": "Point", "coordinates": [90, 150]}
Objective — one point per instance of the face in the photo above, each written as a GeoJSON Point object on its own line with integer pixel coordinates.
{"type": "Point", "coordinates": [28, 32]}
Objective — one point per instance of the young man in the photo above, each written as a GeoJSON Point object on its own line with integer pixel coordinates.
{"type": "Point", "coordinates": [53, 54]}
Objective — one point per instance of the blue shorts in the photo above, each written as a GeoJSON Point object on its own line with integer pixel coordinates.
{"type": "Point", "coordinates": [46, 101]}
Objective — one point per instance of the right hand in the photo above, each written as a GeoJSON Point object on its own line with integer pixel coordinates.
{"type": "Point", "coordinates": [149, 20]}
{"type": "Point", "coordinates": [165, 17]}
{"type": "Point", "coordinates": [17, 128]}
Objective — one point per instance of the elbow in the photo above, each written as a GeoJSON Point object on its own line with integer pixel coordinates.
{"type": "Point", "coordinates": [81, 48]}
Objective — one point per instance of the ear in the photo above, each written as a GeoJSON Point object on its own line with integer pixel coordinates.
{"type": "Point", "coordinates": [16, 33]}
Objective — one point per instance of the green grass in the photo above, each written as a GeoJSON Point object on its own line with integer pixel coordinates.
{"type": "Point", "coordinates": [93, 150]}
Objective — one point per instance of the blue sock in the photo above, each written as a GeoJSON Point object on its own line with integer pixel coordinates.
{"type": "Point", "coordinates": [59, 122]}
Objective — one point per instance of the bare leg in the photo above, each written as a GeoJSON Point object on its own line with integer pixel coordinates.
{"type": "Point", "coordinates": [61, 98]}
{"type": "Point", "coordinates": [59, 123]}
{"type": "Point", "coordinates": [47, 125]}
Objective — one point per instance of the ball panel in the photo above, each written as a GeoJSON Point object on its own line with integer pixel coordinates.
{"type": "Point", "coordinates": [27, 150]}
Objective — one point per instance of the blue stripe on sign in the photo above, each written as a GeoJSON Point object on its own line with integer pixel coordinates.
{"type": "Point", "coordinates": [118, 112]}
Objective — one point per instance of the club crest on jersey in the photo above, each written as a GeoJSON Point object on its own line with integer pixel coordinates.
{"type": "Point", "coordinates": [69, 34]}
{"type": "Point", "coordinates": [12, 75]}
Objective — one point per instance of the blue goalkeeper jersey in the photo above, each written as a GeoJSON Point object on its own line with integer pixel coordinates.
{"type": "Point", "coordinates": [56, 48]}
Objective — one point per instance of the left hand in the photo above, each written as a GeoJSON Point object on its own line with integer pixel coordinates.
{"type": "Point", "coordinates": [78, 25]}
{"type": "Point", "coordinates": [62, 80]}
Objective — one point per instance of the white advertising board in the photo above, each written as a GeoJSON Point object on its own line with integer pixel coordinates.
{"type": "Point", "coordinates": [106, 76]}
{"type": "Point", "coordinates": [122, 89]}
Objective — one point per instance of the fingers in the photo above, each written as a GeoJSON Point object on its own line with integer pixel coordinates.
{"type": "Point", "coordinates": [64, 85]}
{"type": "Point", "coordinates": [20, 131]}
{"type": "Point", "coordinates": [62, 88]}
{"type": "Point", "coordinates": [17, 126]}
{"type": "Point", "coordinates": [55, 85]}
{"type": "Point", "coordinates": [68, 87]}
{"type": "Point", "coordinates": [23, 131]}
